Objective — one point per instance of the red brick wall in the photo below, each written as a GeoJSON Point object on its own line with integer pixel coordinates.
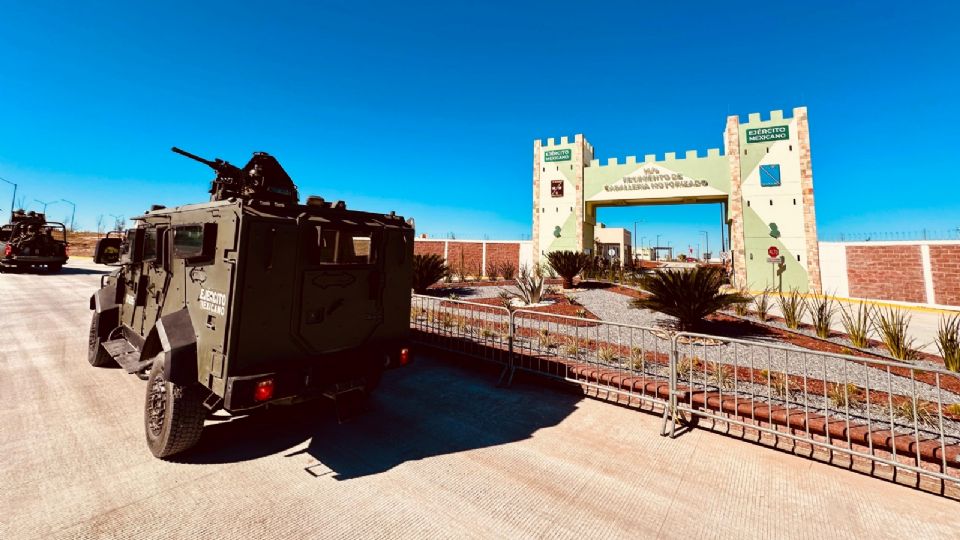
{"type": "Point", "coordinates": [497, 253]}
{"type": "Point", "coordinates": [886, 273]}
{"type": "Point", "coordinates": [501, 253]}
{"type": "Point", "coordinates": [428, 247]}
{"type": "Point", "coordinates": [465, 257]}
{"type": "Point", "coordinates": [945, 267]}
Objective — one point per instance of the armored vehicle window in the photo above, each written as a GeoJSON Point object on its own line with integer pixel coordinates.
{"type": "Point", "coordinates": [188, 241]}
{"type": "Point", "coordinates": [150, 244]}
{"type": "Point", "coordinates": [5, 234]}
{"type": "Point", "coordinates": [330, 246]}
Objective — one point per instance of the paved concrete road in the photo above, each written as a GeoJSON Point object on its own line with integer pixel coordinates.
{"type": "Point", "coordinates": [440, 453]}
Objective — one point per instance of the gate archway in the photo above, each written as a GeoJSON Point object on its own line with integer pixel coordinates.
{"type": "Point", "coordinates": [763, 178]}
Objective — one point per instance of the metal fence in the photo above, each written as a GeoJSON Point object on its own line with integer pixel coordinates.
{"type": "Point", "coordinates": [906, 415]}
{"type": "Point", "coordinates": [893, 236]}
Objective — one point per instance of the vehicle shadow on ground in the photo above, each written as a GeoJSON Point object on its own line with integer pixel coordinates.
{"type": "Point", "coordinates": [74, 270]}
{"type": "Point", "coordinates": [432, 408]}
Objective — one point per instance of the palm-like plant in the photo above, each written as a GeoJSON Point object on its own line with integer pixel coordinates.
{"type": "Point", "coordinates": [427, 270]}
{"type": "Point", "coordinates": [568, 264]}
{"type": "Point", "coordinates": [687, 295]}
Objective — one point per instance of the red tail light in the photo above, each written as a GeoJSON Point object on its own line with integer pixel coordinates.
{"type": "Point", "coordinates": [404, 356]}
{"type": "Point", "coordinates": [263, 391]}
{"type": "Point", "coordinates": [8, 250]}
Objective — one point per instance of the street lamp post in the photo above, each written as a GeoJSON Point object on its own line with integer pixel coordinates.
{"type": "Point", "coordinates": [13, 200]}
{"type": "Point", "coordinates": [45, 204]}
{"type": "Point", "coordinates": [73, 213]}
{"type": "Point", "coordinates": [707, 235]}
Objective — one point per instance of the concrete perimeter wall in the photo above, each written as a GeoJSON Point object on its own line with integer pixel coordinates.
{"type": "Point", "coordinates": [477, 256]}
{"type": "Point", "coordinates": [920, 272]}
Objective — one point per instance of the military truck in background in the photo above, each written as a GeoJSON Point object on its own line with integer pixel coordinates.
{"type": "Point", "coordinates": [30, 241]}
{"type": "Point", "coordinates": [251, 300]}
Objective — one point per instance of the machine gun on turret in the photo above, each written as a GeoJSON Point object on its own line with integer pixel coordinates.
{"type": "Point", "coordinates": [262, 180]}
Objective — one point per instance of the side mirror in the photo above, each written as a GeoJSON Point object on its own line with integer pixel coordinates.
{"type": "Point", "coordinates": [107, 250]}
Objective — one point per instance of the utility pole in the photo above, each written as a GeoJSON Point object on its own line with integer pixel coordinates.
{"type": "Point", "coordinates": [634, 239]}
{"type": "Point", "coordinates": [13, 200]}
{"type": "Point", "coordinates": [707, 247]}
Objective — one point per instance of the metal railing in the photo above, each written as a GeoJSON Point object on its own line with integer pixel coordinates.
{"type": "Point", "coordinates": [905, 415]}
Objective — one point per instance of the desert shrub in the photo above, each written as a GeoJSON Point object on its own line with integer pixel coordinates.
{"type": "Point", "coordinates": [893, 325]}
{"type": "Point", "coordinates": [508, 270]}
{"type": "Point", "coordinates": [821, 309]}
{"type": "Point", "coordinates": [545, 339]}
{"type": "Point", "coordinates": [953, 408]}
{"type": "Point", "coordinates": [842, 395]}
{"type": "Point", "coordinates": [856, 323]}
{"type": "Point", "coordinates": [688, 366]}
{"type": "Point", "coordinates": [606, 354]}
{"type": "Point", "coordinates": [688, 295]}
{"type": "Point", "coordinates": [637, 360]}
{"type": "Point", "coordinates": [761, 303]}
{"type": "Point", "coordinates": [530, 286]}
{"type": "Point", "coordinates": [792, 306]}
{"type": "Point", "coordinates": [493, 271]}
{"type": "Point", "coordinates": [427, 270]}
{"type": "Point", "coordinates": [487, 333]}
{"type": "Point", "coordinates": [582, 313]}
{"type": "Point", "coordinates": [571, 299]}
{"type": "Point", "coordinates": [948, 341]}
{"type": "Point", "coordinates": [568, 264]}
{"type": "Point", "coordinates": [778, 383]}
{"type": "Point", "coordinates": [720, 375]}
{"type": "Point", "coordinates": [924, 413]}
{"type": "Point", "coordinates": [571, 348]}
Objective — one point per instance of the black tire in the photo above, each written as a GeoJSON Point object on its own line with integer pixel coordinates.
{"type": "Point", "coordinates": [96, 355]}
{"type": "Point", "coordinates": [54, 268]}
{"type": "Point", "coordinates": [173, 415]}
{"type": "Point", "coordinates": [372, 378]}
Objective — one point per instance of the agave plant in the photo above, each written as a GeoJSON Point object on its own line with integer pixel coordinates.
{"type": "Point", "coordinates": [568, 264]}
{"type": "Point", "coordinates": [530, 286]}
{"type": "Point", "coordinates": [688, 295]}
{"type": "Point", "coordinates": [427, 270]}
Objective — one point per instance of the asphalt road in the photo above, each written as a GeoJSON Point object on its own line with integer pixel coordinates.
{"type": "Point", "coordinates": [440, 452]}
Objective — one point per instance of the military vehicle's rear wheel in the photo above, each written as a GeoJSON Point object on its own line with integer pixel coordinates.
{"type": "Point", "coordinates": [54, 268]}
{"type": "Point", "coordinates": [173, 415]}
{"type": "Point", "coordinates": [96, 355]}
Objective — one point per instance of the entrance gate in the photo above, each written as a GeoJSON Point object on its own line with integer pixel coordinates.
{"type": "Point", "coordinates": [763, 178]}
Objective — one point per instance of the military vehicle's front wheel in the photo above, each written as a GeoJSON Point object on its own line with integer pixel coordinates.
{"type": "Point", "coordinates": [54, 268]}
{"type": "Point", "coordinates": [173, 415]}
{"type": "Point", "coordinates": [96, 354]}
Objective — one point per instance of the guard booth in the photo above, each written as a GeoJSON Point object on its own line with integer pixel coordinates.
{"type": "Point", "coordinates": [762, 179]}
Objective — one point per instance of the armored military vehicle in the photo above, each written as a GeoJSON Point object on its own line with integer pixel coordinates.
{"type": "Point", "coordinates": [251, 300]}
{"type": "Point", "coordinates": [30, 241]}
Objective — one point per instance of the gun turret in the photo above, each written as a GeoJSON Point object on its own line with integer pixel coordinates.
{"type": "Point", "coordinates": [262, 179]}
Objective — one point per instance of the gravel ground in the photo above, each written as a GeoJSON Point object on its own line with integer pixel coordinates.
{"type": "Point", "coordinates": [879, 351]}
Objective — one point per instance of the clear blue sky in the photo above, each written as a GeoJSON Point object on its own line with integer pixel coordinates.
{"type": "Point", "coordinates": [431, 109]}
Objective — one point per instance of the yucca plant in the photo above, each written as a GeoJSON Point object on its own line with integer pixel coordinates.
{"type": "Point", "coordinates": [948, 341]}
{"type": "Point", "coordinates": [791, 306]}
{"type": "Point", "coordinates": [530, 286]}
{"type": "Point", "coordinates": [893, 325]}
{"type": "Point", "coordinates": [688, 295]}
{"type": "Point", "coordinates": [821, 309]}
{"type": "Point", "coordinates": [761, 303]}
{"type": "Point", "coordinates": [427, 270]}
{"type": "Point", "coordinates": [856, 323]}
{"type": "Point", "coordinates": [568, 264]}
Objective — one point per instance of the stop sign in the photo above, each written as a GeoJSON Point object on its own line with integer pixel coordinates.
{"type": "Point", "coordinates": [772, 251]}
